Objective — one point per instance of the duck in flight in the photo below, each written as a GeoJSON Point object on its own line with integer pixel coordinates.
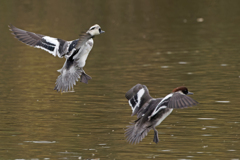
{"type": "Point", "coordinates": [75, 52]}
{"type": "Point", "coordinates": [151, 112]}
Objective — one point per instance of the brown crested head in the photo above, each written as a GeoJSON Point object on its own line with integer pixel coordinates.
{"type": "Point", "coordinates": [183, 89]}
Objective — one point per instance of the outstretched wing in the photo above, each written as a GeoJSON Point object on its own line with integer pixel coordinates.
{"type": "Point", "coordinates": [137, 97]}
{"type": "Point", "coordinates": [174, 100]}
{"type": "Point", "coordinates": [179, 100]}
{"type": "Point", "coordinates": [54, 46]}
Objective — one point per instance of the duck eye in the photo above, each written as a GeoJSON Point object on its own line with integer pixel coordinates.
{"type": "Point", "coordinates": [185, 91]}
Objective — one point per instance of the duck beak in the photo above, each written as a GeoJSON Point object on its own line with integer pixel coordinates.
{"type": "Point", "coordinates": [190, 93]}
{"type": "Point", "coordinates": [102, 31]}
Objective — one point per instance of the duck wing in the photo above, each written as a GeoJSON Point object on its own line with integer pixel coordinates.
{"type": "Point", "coordinates": [83, 38]}
{"type": "Point", "coordinates": [174, 100]}
{"type": "Point", "coordinates": [138, 98]}
{"type": "Point", "coordinates": [55, 46]}
{"type": "Point", "coordinates": [78, 45]}
{"type": "Point", "coordinates": [179, 100]}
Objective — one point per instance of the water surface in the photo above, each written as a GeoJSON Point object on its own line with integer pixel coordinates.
{"type": "Point", "coordinates": [162, 44]}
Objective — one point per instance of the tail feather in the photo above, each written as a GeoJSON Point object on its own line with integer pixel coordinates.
{"type": "Point", "coordinates": [68, 78]}
{"type": "Point", "coordinates": [136, 134]}
{"type": "Point", "coordinates": [69, 75]}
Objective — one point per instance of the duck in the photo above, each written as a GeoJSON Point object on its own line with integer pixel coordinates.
{"type": "Point", "coordinates": [152, 111]}
{"type": "Point", "coordinates": [75, 52]}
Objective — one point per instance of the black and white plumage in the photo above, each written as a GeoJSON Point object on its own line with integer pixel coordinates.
{"type": "Point", "coordinates": [151, 112]}
{"type": "Point", "coordinates": [75, 52]}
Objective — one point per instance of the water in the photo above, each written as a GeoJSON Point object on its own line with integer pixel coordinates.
{"type": "Point", "coordinates": [162, 44]}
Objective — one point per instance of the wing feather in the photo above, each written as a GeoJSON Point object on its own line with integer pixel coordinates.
{"type": "Point", "coordinates": [84, 37]}
{"type": "Point", "coordinates": [179, 100]}
{"type": "Point", "coordinates": [133, 91]}
{"type": "Point", "coordinates": [52, 45]}
{"type": "Point", "coordinates": [138, 97]}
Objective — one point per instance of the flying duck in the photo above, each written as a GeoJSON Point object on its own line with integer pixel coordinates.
{"type": "Point", "coordinates": [75, 52]}
{"type": "Point", "coordinates": [151, 112]}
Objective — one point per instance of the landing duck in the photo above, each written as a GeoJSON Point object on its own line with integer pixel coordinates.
{"type": "Point", "coordinates": [75, 52]}
{"type": "Point", "coordinates": [151, 112]}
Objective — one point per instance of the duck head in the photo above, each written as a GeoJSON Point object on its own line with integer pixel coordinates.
{"type": "Point", "coordinates": [182, 90]}
{"type": "Point", "coordinates": [95, 30]}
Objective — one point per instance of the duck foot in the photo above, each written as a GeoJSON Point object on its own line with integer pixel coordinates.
{"type": "Point", "coordinates": [85, 78]}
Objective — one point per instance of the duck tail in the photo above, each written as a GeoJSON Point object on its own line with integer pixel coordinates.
{"type": "Point", "coordinates": [135, 133]}
{"type": "Point", "coordinates": [66, 80]}
{"type": "Point", "coordinates": [69, 75]}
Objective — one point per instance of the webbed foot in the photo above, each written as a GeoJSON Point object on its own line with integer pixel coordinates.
{"type": "Point", "coordinates": [84, 78]}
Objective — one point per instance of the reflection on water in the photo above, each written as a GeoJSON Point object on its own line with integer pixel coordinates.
{"type": "Point", "coordinates": [162, 44]}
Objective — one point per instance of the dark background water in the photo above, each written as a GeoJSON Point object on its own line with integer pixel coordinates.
{"type": "Point", "coordinates": [162, 44]}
